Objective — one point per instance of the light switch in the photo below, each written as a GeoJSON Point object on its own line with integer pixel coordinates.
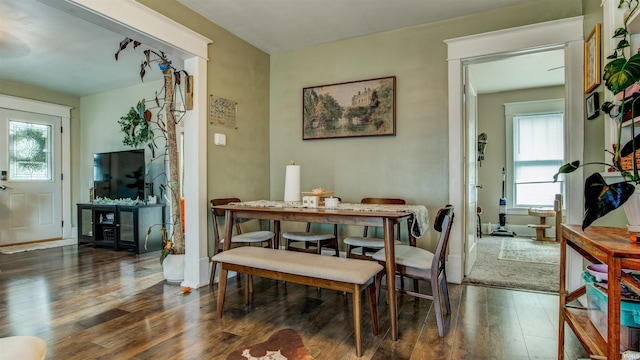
{"type": "Point", "coordinates": [220, 139]}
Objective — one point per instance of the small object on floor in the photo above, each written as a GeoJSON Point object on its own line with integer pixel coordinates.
{"type": "Point", "coordinates": [185, 291]}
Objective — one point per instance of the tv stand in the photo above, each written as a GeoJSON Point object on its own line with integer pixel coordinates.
{"type": "Point", "coordinates": [120, 227]}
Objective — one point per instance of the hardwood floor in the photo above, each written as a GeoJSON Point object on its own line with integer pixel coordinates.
{"type": "Point", "coordinates": [91, 303]}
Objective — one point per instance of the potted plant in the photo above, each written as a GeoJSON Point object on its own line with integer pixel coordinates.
{"type": "Point", "coordinates": [619, 74]}
{"type": "Point", "coordinates": [135, 125]}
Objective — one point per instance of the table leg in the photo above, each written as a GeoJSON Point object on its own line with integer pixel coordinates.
{"type": "Point", "coordinates": [276, 230]}
{"type": "Point", "coordinates": [228, 229]}
{"type": "Point", "coordinates": [390, 263]}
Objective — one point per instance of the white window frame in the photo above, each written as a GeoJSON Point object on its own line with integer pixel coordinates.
{"type": "Point", "coordinates": [523, 108]}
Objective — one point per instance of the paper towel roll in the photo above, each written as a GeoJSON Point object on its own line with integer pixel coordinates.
{"type": "Point", "coordinates": [292, 183]}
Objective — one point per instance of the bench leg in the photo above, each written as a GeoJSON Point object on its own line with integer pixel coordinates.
{"type": "Point", "coordinates": [373, 308]}
{"type": "Point", "coordinates": [222, 289]}
{"type": "Point", "coordinates": [357, 330]}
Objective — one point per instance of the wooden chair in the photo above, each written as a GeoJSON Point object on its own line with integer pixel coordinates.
{"type": "Point", "coordinates": [313, 241]}
{"type": "Point", "coordinates": [420, 264]}
{"type": "Point", "coordinates": [372, 244]}
{"type": "Point", "coordinates": [240, 239]}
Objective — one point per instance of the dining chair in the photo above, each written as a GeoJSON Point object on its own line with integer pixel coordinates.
{"type": "Point", "coordinates": [371, 244]}
{"type": "Point", "coordinates": [419, 264]}
{"type": "Point", "coordinates": [313, 241]}
{"type": "Point", "coordinates": [239, 239]}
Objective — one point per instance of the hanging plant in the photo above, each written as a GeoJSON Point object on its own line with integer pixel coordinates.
{"type": "Point", "coordinates": [135, 126]}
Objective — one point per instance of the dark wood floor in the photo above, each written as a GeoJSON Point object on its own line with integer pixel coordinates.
{"type": "Point", "coordinates": [91, 303]}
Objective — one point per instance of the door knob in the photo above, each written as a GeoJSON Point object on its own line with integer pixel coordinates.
{"type": "Point", "coordinates": [478, 186]}
{"type": "Point", "coordinates": [2, 187]}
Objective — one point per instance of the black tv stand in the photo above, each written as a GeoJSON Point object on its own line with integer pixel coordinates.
{"type": "Point", "coordinates": [120, 227]}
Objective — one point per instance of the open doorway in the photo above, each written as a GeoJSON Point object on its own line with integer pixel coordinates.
{"type": "Point", "coordinates": [566, 34]}
{"type": "Point", "coordinates": [530, 85]}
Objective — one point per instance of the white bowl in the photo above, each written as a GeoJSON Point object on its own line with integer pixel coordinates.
{"type": "Point", "coordinates": [599, 271]}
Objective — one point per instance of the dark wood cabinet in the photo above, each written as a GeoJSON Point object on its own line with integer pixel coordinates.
{"type": "Point", "coordinates": [120, 227]}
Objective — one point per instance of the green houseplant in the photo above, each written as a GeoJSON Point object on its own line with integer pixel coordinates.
{"type": "Point", "coordinates": [619, 74]}
{"type": "Point", "coordinates": [135, 125]}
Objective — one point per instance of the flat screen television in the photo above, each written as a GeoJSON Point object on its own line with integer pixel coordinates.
{"type": "Point", "coordinates": [119, 174]}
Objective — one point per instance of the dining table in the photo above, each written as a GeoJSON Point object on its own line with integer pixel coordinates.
{"type": "Point", "coordinates": [380, 215]}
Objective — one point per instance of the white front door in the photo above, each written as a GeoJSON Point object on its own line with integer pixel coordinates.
{"type": "Point", "coordinates": [30, 183]}
{"type": "Point", "coordinates": [471, 176]}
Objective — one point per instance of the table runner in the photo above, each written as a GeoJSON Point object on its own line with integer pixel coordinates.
{"type": "Point", "coordinates": [420, 217]}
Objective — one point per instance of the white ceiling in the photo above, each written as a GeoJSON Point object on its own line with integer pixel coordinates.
{"type": "Point", "coordinates": [46, 47]}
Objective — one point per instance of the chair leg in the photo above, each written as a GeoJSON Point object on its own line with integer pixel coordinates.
{"type": "Point", "coordinates": [437, 304]}
{"type": "Point", "coordinates": [222, 288]}
{"type": "Point", "coordinates": [378, 283]}
{"type": "Point", "coordinates": [213, 273]}
{"type": "Point", "coordinates": [445, 293]}
{"type": "Point", "coordinates": [373, 308]}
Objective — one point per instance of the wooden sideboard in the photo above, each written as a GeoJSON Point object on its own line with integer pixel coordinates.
{"type": "Point", "coordinates": [597, 244]}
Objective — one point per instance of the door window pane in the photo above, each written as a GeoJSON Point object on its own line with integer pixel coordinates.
{"type": "Point", "coordinates": [29, 151]}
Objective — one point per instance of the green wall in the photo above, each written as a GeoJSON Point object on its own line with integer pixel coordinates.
{"type": "Point", "coordinates": [414, 163]}
{"type": "Point", "coordinates": [236, 71]}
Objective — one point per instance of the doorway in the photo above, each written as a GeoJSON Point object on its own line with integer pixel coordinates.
{"type": "Point", "coordinates": [566, 33]}
{"type": "Point", "coordinates": [531, 82]}
{"type": "Point", "coordinates": [31, 195]}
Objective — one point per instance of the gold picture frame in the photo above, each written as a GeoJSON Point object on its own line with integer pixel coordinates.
{"type": "Point", "coordinates": [592, 60]}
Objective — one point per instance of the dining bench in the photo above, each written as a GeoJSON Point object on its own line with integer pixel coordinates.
{"type": "Point", "coordinates": [328, 272]}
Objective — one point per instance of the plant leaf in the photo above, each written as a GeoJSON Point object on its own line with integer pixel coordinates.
{"type": "Point", "coordinates": [624, 43]}
{"type": "Point", "coordinates": [621, 73]}
{"type": "Point", "coordinates": [620, 32]}
{"type": "Point", "coordinates": [601, 198]}
{"type": "Point", "coordinates": [566, 169]}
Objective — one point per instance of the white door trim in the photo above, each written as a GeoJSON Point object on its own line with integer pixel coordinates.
{"type": "Point", "coordinates": [154, 29]}
{"type": "Point", "coordinates": [565, 32]}
{"type": "Point", "coordinates": [64, 113]}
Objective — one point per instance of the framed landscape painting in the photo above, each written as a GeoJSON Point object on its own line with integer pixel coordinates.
{"type": "Point", "coordinates": [350, 109]}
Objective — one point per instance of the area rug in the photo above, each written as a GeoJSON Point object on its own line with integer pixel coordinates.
{"type": "Point", "coordinates": [493, 271]}
{"type": "Point", "coordinates": [12, 249]}
{"type": "Point", "coordinates": [284, 344]}
{"type": "Point", "coordinates": [528, 250]}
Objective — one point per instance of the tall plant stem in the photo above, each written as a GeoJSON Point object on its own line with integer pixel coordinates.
{"type": "Point", "coordinates": [174, 175]}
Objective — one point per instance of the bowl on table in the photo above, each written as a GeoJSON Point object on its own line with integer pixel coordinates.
{"type": "Point", "coordinates": [599, 271]}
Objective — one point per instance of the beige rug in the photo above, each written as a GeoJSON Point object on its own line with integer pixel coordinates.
{"type": "Point", "coordinates": [12, 249]}
{"type": "Point", "coordinates": [527, 250]}
{"type": "Point", "coordinates": [509, 267]}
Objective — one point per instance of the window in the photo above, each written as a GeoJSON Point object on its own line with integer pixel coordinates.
{"type": "Point", "coordinates": [536, 152]}
{"type": "Point", "coordinates": [29, 151]}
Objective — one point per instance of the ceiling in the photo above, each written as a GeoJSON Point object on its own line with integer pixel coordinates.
{"type": "Point", "coordinates": [43, 46]}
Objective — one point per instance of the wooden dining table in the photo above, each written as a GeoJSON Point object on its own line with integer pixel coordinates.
{"type": "Point", "coordinates": [281, 211]}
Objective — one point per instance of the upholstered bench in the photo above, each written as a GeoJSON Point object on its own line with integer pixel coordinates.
{"type": "Point", "coordinates": [329, 272]}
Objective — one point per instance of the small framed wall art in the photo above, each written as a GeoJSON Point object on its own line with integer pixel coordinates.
{"type": "Point", "coordinates": [592, 60]}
